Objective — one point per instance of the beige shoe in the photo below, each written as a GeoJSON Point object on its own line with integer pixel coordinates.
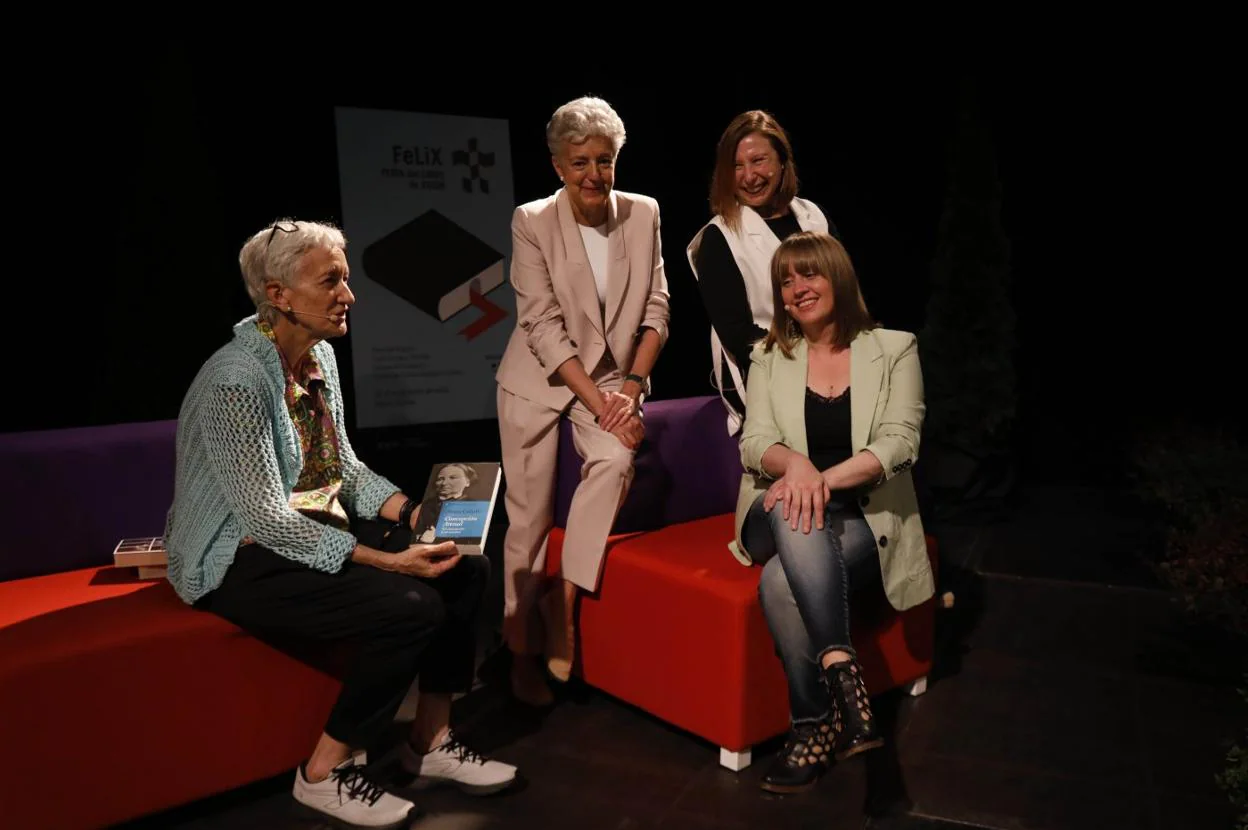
{"type": "Point", "coordinates": [557, 615]}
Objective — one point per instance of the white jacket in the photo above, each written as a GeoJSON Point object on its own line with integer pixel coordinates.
{"type": "Point", "coordinates": [752, 248]}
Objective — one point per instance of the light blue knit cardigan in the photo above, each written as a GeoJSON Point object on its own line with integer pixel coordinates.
{"type": "Point", "coordinates": [238, 459]}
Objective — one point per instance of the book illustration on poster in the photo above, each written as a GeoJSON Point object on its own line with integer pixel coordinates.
{"type": "Point", "coordinates": [434, 264]}
{"type": "Point", "coordinates": [458, 505]}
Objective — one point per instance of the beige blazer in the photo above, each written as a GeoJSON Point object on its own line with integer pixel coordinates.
{"type": "Point", "coordinates": [886, 416]}
{"type": "Point", "coordinates": [557, 311]}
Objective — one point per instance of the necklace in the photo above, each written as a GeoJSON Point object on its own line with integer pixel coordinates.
{"type": "Point", "coordinates": [829, 353]}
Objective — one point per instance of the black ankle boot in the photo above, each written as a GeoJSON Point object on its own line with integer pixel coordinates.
{"type": "Point", "coordinates": [855, 725]}
{"type": "Point", "coordinates": [806, 754]}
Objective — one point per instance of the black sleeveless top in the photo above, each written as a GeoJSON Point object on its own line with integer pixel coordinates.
{"type": "Point", "coordinates": [828, 436]}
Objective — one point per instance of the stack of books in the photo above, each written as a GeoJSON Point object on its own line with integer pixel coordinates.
{"type": "Point", "coordinates": [146, 553]}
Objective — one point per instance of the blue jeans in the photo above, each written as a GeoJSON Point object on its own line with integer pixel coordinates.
{"type": "Point", "coordinates": [805, 590]}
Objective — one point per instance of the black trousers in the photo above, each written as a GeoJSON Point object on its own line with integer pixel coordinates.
{"type": "Point", "coordinates": [401, 626]}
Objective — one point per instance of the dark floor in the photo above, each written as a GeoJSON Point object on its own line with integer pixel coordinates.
{"type": "Point", "coordinates": [1070, 693]}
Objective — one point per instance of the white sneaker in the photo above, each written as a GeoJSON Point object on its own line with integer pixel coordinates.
{"type": "Point", "coordinates": [350, 797]}
{"type": "Point", "coordinates": [454, 763]}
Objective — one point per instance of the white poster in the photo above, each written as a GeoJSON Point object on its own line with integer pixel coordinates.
{"type": "Point", "coordinates": [427, 203]}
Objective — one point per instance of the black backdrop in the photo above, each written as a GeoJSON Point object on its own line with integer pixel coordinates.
{"type": "Point", "coordinates": [138, 181]}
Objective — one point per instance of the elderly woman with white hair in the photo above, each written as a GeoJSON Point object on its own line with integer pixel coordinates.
{"type": "Point", "coordinates": [279, 528]}
{"type": "Point", "coordinates": [592, 315]}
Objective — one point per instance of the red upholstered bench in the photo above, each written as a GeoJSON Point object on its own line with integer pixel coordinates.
{"type": "Point", "coordinates": [676, 627]}
{"type": "Point", "coordinates": [677, 630]}
{"type": "Point", "coordinates": [117, 700]}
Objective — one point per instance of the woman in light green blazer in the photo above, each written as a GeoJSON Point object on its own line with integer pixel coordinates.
{"type": "Point", "coordinates": [834, 408]}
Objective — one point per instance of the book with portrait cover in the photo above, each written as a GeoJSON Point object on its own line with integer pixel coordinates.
{"type": "Point", "coordinates": [458, 504]}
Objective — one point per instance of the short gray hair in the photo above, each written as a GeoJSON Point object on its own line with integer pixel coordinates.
{"type": "Point", "coordinates": [578, 120]}
{"type": "Point", "coordinates": [274, 253]}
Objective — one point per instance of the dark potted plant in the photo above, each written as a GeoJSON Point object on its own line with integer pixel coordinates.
{"type": "Point", "coordinates": [967, 343]}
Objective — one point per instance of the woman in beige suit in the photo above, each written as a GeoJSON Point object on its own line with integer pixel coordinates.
{"type": "Point", "coordinates": [834, 408]}
{"type": "Point", "coordinates": [592, 314]}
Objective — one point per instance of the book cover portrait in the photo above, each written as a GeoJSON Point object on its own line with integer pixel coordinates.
{"type": "Point", "coordinates": [458, 504]}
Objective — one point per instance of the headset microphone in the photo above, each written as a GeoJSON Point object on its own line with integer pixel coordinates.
{"type": "Point", "coordinates": [310, 314]}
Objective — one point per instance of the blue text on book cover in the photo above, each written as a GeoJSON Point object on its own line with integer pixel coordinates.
{"type": "Point", "coordinates": [462, 519]}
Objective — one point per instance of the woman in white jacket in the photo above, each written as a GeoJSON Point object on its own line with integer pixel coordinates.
{"type": "Point", "coordinates": [755, 204]}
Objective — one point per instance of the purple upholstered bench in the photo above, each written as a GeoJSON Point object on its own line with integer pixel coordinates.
{"type": "Point", "coordinates": [687, 468]}
{"type": "Point", "coordinates": [68, 495]}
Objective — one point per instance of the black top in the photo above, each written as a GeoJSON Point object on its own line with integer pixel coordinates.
{"type": "Point", "coordinates": [828, 437]}
{"type": "Point", "coordinates": [723, 289]}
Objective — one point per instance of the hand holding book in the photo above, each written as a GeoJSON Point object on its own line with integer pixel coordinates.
{"type": "Point", "coordinates": [427, 561]}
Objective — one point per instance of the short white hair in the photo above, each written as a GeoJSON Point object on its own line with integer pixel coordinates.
{"type": "Point", "coordinates": [273, 253]}
{"type": "Point", "coordinates": [578, 120]}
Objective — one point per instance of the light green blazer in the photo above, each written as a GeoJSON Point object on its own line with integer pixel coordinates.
{"type": "Point", "coordinates": [886, 415]}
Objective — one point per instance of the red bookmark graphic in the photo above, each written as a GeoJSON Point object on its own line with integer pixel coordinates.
{"type": "Point", "coordinates": [490, 314]}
